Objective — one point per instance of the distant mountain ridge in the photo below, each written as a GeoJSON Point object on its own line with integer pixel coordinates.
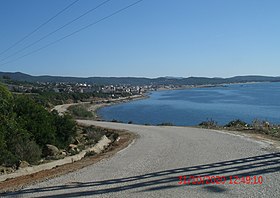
{"type": "Point", "coordinates": [138, 80]}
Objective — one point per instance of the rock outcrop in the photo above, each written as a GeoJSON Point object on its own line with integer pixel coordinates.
{"type": "Point", "coordinates": [50, 150]}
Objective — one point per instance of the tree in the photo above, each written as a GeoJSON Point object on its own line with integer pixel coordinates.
{"type": "Point", "coordinates": [65, 129]}
{"type": "Point", "coordinates": [26, 126]}
{"type": "Point", "coordinates": [6, 99]}
{"type": "Point", "coordinates": [35, 119]}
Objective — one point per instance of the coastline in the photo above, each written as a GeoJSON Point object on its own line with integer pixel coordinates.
{"type": "Point", "coordinates": [184, 87]}
{"type": "Point", "coordinates": [95, 107]}
{"type": "Point", "coordinates": [87, 161]}
{"type": "Point", "coordinates": [173, 122]}
{"type": "Point", "coordinates": [244, 133]}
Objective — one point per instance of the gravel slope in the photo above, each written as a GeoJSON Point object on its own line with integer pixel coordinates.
{"type": "Point", "coordinates": [151, 165]}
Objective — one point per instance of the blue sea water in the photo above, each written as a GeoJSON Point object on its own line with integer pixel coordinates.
{"type": "Point", "coordinates": [192, 106]}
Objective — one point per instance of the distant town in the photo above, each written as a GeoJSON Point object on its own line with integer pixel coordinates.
{"type": "Point", "coordinates": [70, 87]}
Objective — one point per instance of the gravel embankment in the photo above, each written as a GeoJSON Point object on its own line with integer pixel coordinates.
{"type": "Point", "coordinates": [151, 165]}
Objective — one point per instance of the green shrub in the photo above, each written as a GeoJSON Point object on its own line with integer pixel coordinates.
{"type": "Point", "coordinates": [6, 100]}
{"type": "Point", "coordinates": [35, 119]}
{"type": "Point", "coordinates": [7, 158]}
{"type": "Point", "coordinates": [25, 127]}
{"type": "Point", "coordinates": [28, 150]}
{"type": "Point", "coordinates": [65, 129]}
{"type": "Point", "coordinates": [80, 111]}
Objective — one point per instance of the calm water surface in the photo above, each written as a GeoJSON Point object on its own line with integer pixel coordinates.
{"type": "Point", "coordinates": [192, 106]}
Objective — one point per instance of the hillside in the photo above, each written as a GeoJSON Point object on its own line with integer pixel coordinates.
{"type": "Point", "coordinates": [138, 81]}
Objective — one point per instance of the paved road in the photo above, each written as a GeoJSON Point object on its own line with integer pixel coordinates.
{"type": "Point", "coordinates": [150, 167]}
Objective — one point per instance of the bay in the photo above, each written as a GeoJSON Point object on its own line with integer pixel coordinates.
{"type": "Point", "coordinates": [190, 107]}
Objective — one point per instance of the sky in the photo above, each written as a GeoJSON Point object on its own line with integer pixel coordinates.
{"type": "Point", "coordinates": [180, 38]}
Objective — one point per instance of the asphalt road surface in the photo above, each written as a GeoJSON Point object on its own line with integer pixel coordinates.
{"type": "Point", "coordinates": [152, 165]}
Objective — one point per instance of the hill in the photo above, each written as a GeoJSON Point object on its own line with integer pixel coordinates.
{"type": "Point", "coordinates": [18, 76]}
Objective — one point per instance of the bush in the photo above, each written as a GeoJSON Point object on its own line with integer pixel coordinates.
{"type": "Point", "coordinates": [6, 99]}
{"type": "Point", "coordinates": [262, 126]}
{"type": "Point", "coordinates": [209, 124]}
{"type": "Point", "coordinates": [35, 119]}
{"type": "Point", "coordinates": [80, 111]}
{"type": "Point", "coordinates": [25, 127]}
{"type": "Point", "coordinates": [65, 129]}
{"type": "Point", "coordinates": [237, 124]}
{"type": "Point", "coordinates": [90, 153]}
{"type": "Point", "coordinates": [7, 158]}
{"type": "Point", "coordinates": [94, 134]}
{"type": "Point", "coordinates": [166, 124]}
{"type": "Point", "coordinates": [112, 136]}
{"type": "Point", "coordinates": [20, 144]}
{"type": "Point", "coordinates": [28, 150]}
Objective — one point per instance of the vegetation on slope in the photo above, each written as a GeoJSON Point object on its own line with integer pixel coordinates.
{"type": "Point", "coordinates": [139, 81]}
{"type": "Point", "coordinates": [80, 111]}
{"type": "Point", "coordinates": [26, 127]}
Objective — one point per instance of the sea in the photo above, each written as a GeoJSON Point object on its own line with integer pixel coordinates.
{"type": "Point", "coordinates": [189, 107]}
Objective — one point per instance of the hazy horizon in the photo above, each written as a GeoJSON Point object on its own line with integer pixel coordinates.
{"type": "Point", "coordinates": [137, 76]}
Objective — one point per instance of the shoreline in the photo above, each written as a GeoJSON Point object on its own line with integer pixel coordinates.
{"type": "Point", "coordinates": [208, 86]}
{"type": "Point", "coordinates": [268, 133]}
{"type": "Point", "coordinates": [109, 102]}
{"type": "Point", "coordinates": [109, 154]}
{"type": "Point", "coordinates": [231, 131]}
{"type": "Point", "coordinates": [95, 107]}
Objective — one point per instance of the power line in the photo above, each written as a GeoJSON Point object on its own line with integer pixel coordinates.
{"type": "Point", "coordinates": [39, 27]}
{"type": "Point", "coordinates": [51, 33]}
{"type": "Point", "coordinates": [75, 32]}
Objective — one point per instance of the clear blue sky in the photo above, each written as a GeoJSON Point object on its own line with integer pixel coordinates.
{"type": "Point", "coordinates": [213, 38]}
